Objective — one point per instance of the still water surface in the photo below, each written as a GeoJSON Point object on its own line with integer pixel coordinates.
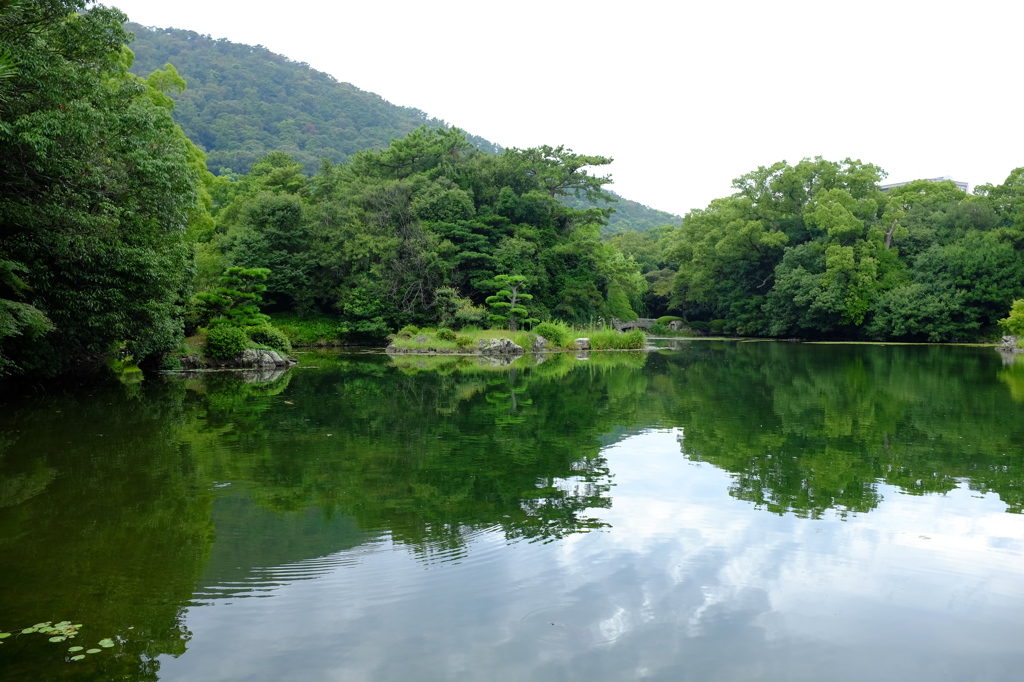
{"type": "Point", "coordinates": [717, 511]}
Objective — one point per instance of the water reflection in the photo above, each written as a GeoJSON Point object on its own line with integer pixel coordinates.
{"type": "Point", "coordinates": [724, 511]}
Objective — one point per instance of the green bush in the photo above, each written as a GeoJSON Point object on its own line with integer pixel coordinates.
{"type": "Point", "coordinates": [270, 336]}
{"type": "Point", "coordinates": [224, 342]}
{"type": "Point", "coordinates": [556, 332]}
{"type": "Point", "coordinates": [658, 329]}
{"type": "Point", "coordinates": [717, 326]}
{"type": "Point", "coordinates": [700, 326]}
{"type": "Point", "coordinates": [665, 319]}
{"type": "Point", "coordinates": [446, 334]}
{"type": "Point", "coordinates": [464, 342]}
{"type": "Point", "coordinates": [609, 339]}
{"type": "Point", "coordinates": [1014, 322]}
{"type": "Point", "coordinates": [469, 328]}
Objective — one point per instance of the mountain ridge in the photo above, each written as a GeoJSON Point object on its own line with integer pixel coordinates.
{"type": "Point", "coordinates": [243, 102]}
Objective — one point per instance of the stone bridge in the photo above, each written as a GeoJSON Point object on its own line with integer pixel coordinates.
{"type": "Point", "coordinates": [639, 323]}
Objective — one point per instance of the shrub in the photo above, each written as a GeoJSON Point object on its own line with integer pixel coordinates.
{"type": "Point", "coordinates": [446, 334]}
{"type": "Point", "coordinates": [700, 326]}
{"type": "Point", "coordinates": [471, 328]}
{"type": "Point", "coordinates": [1014, 322]}
{"type": "Point", "coordinates": [271, 337]}
{"type": "Point", "coordinates": [224, 342]}
{"type": "Point", "coordinates": [557, 332]}
{"type": "Point", "coordinates": [665, 319]}
{"type": "Point", "coordinates": [634, 339]}
{"type": "Point", "coordinates": [408, 331]}
{"type": "Point", "coordinates": [471, 316]}
{"type": "Point", "coordinates": [717, 326]}
{"type": "Point", "coordinates": [659, 329]}
{"type": "Point", "coordinates": [464, 342]}
{"type": "Point", "coordinates": [610, 339]}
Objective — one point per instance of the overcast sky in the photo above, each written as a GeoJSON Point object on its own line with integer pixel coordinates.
{"type": "Point", "coordinates": [684, 96]}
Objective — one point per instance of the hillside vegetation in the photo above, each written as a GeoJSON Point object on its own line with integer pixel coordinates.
{"type": "Point", "coordinates": [116, 239]}
{"type": "Point", "coordinates": [243, 102]}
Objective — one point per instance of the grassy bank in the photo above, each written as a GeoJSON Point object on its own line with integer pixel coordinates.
{"type": "Point", "coordinates": [562, 337]}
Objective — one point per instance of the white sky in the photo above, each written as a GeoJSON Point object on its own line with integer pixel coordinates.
{"type": "Point", "coordinates": [684, 96]}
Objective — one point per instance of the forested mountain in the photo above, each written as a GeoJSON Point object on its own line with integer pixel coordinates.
{"type": "Point", "coordinates": [243, 102]}
{"type": "Point", "coordinates": [627, 216]}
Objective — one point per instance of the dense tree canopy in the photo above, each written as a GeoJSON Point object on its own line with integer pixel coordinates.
{"type": "Point", "coordinates": [111, 219]}
{"type": "Point", "coordinates": [97, 191]}
{"type": "Point", "coordinates": [400, 235]}
{"type": "Point", "coordinates": [816, 249]}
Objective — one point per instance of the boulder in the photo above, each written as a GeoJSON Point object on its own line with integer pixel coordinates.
{"type": "Point", "coordinates": [540, 344]}
{"type": "Point", "coordinates": [583, 344]}
{"type": "Point", "coordinates": [499, 347]}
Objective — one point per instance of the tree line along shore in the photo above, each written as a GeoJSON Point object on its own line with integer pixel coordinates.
{"type": "Point", "coordinates": [118, 242]}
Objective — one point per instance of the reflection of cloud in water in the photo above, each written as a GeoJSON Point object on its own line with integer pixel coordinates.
{"type": "Point", "coordinates": [687, 584]}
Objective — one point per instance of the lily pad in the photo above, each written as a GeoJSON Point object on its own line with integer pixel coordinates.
{"type": "Point", "coordinates": [76, 648]}
{"type": "Point", "coordinates": [107, 643]}
{"type": "Point", "coordinates": [27, 631]}
{"type": "Point", "coordinates": [78, 657]}
{"type": "Point", "coordinates": [4, 635]}
{"type": "Point", "coordinates": [93, 651]}
{"type": "Point", "coordinates": [42, 625]}
{"type": "Point", "coordinates": [58, 638]}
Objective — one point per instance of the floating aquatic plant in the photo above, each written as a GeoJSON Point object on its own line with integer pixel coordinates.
{"type": "Point", "coordinates": [60, 632]}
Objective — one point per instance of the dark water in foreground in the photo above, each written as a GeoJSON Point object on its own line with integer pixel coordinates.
{"type": "Point", "coordinates": [725, 511]}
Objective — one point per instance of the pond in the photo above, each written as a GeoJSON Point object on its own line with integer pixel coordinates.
{"type": "Point", "coordinates": [706, 511]}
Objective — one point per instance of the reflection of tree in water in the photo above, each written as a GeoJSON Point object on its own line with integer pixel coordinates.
{"type": "Point", "coordinates": [812, 428]}
{"type": "Point", "coordinates": [1012, 375]}
{"type": "Point", "coordinates": [107, 524]}
{"type": "Point", "coordinates": [430, 451]}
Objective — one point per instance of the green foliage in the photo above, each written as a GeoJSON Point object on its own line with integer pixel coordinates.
{"type": "Point", "coordinates": [1014, 322]}
{"type": "Point", "coordinates": [98, 191]}
{"type": "Point", "coordinates": [446, 334]}
{"type": "Point", "coordinates": [817, 250]}
{"type": "Point", "coordinates": [613, 340]}
{"type": "Point", "coordinates": [666, 319]}
{"type": "Point", "coordinates": [244, 102]}
{"type": "Point", "coordinates": [558, 333]}
{"type": "Point", "coordinates": [628, 216]}
{"type": "Point", "coordinates": [270, 336]}
{"type": "Point", "coordinates": [309, 331]}
{"type": "Point", "coordinates": [506, 302]}
{"type": "Point", "coordinates": [236, 302]}
{"type": "Point", "coordinates": [225, 342]}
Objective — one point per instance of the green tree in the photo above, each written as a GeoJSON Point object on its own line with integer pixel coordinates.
{"type": "Point", "coordinates": [97, 192]}
{"type": "Point", "coordinates": [508, 301]}
{"type": "Point", "coordinates": [1014, 322]}
{"type": "Point", "coordinates": [236, 302]}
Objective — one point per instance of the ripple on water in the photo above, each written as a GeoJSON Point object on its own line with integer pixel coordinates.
{"type": "Point", "coordinates": [577, 624]}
